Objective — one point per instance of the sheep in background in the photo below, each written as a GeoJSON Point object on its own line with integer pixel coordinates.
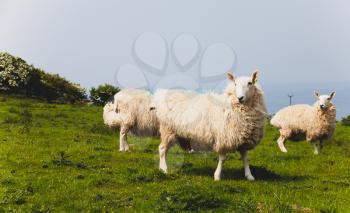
{"type": "Point", "coordinates": [224, 123]}
{"type": "Point", "coordinates": [300, 122]}
{"type": "Point", "coordinates": [130, 110]}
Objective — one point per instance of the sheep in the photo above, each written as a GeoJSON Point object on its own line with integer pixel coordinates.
{"type": "Point", "coordinates": [130, 110]}
{"type": "Point", "coordinates": [233, 120]}
{"type": "Point", "coordinates": [300, 122]}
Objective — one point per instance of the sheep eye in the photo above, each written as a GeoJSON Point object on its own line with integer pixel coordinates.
{"type": "Point", "coordinates": [250, 83]}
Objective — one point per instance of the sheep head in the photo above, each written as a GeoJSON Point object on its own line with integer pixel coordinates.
{"type": "Point", "coordinates": [324, 101]}
{"type": "Point", "coordinates": [242, 88]}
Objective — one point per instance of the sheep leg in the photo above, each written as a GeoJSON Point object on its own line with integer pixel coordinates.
{"type": "Point", "coordinates": [247, 172]}
{"type": "Point", "coordinates": [280, 143]}
{"type": "Point", "coordinates": [166, 141]}
{"type": "Point", "coordinates": [321, 146]}
{"type": "Point", "coordinates": [123, 139]}
{"type": "Point", "coordinates": [315, 148]}
{"type": "Point", "coordinates": [217, 174]}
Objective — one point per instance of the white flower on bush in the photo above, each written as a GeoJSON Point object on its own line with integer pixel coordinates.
{"type": "Point", "coordinates": [14, 73]}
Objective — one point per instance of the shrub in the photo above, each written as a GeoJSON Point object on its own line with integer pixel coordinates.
{"type": "Point", "coordinates": [346, 121]}
{"type": "Point", "coordinates": [102, 93]}
{"type": "Point", "coordinates": [15, 73]}
{"type": "Point", "coordinates": [55, 87]}
{"type": "Point", "coordinates": [18, 77]}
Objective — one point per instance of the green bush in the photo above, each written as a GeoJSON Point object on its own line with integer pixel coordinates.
{"type": "Point", "coordinates": [18, 77]}
{"type": "Point", "coordinates": [346, 121]}
{"type": "Point", "coordinates": [102, 93]}
{"type": "Point", "coordinates": [58, 88]}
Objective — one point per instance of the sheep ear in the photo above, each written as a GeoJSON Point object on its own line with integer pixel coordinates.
{"type": "Point", "coordinates": [255, 76]}
{"type": "Point", "coordinates": [332, 95]}
{"type": "Point", "coordinates": [230, 76]}
{"type": "Point", "coordinates": [317, 94]}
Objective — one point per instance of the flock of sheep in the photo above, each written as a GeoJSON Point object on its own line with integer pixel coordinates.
{"type": "Point", "coordinates": [233, 120]}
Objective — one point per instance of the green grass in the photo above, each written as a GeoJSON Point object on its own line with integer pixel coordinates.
{"type": "Point", "coordinates": [61, 158]}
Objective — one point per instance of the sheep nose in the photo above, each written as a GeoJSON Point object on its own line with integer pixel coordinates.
{"type": "Point", "coordinates": [240, 99]}
{"type": "Point", "coordinates": [322, 106]}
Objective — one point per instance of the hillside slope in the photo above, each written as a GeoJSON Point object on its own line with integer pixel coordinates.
{"type": "Point", "coordinates": [57, 157]}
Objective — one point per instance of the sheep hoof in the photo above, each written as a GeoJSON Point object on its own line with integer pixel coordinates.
{"type": "Point", "coordinates": [124, 149]}
{"type": "Point", "coordinates": [250, 177]}
{"type": "Point", "coordinates": [315, 153]}
{"type": "Point", "coordinates": [217, 175]}
{"type": "Point", "coordinates": [164, 170]}
{"type": "Point", "coordinates": [282, 148]}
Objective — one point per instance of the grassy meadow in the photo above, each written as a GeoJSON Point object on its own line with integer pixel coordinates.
{"type": "Point", "coordinates": [61, 158]}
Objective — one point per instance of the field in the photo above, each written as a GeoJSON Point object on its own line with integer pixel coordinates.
{"type": "Point", "coordinates": [61, 158]}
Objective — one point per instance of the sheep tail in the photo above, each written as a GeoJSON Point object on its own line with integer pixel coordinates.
{"type": "Point", "coordinates": [274, 122]}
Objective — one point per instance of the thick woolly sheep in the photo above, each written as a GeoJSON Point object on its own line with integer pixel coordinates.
{"type": "Point", "coordinates": [131, 110]}
{"type": "Point", "coordinates": [224, 123]}
{"type": "Point", "coordinates": [300, 122]}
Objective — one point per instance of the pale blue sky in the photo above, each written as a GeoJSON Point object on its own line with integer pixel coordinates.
{"type": "Point", "coordinates": [86, 41]}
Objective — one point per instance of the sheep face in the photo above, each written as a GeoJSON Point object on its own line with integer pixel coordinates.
{"type": "Point", "coordinates": [324, 101]}
{"type": "Point", "coordinates": [244, 87]}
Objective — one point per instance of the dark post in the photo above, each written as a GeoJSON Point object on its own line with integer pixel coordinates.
{"type": "Point", "coordinates": [290, 98]}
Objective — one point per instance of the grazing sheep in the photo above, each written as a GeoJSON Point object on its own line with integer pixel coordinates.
{"type": "Point", "coordinates": [130, 110]}
{"type": "Point", "coordinates": [300, 122]}
{"type": "Point", "coordinates": [224, 123]}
